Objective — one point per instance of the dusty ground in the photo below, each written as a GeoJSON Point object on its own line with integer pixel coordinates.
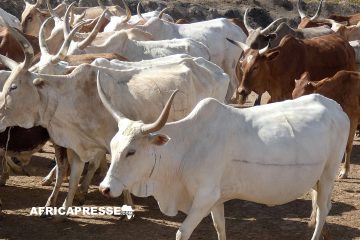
{"type": "Point", "coordinates": [244, 220]}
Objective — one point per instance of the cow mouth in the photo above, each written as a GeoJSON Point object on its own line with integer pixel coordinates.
{"type": "Point", "coordinates": [240, 96]}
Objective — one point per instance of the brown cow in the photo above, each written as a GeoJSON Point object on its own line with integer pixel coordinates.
{"type": "Point", "coordinates": [11, 48]}
{"type": "Point", "coordinates": [350, 33]}
{"type": "Point", "coordinates": [344, 88]}
{"type": "Point", "coordinates": [274, 70]}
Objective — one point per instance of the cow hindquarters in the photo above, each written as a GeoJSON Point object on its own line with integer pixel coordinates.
{"type": "Point", "coordinates": [345, 168]}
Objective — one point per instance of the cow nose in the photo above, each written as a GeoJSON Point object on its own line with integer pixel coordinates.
{"type": "Point", "coordinates": [105, 191]}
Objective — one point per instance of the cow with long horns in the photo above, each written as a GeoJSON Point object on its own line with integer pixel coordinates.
{"type": "Point", "coordinates": [87, 128]}
{"type": "Point", "coordinates": [173, 161]}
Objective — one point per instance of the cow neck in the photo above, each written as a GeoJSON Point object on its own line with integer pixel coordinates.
{"type": "Point", "coordinates": [53, 88]}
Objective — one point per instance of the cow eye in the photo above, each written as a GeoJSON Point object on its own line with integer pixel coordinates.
{"type": "Point", "coordinates": [29, 19]}
{"type": "Point", "coordinates": [130, 153]}
{"type": "Point", "coordinates": [12, 87]}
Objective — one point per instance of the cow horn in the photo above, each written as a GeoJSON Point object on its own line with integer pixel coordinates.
{"type": "Point", "coordinates": [317, 14]}
{"type": "Point", "coordinates": [161, 121]}
{"type": "Point", "coordinates": [128, 12]}
{"type": "Point", "coordinates": [162, 12]}
{"type": "Point", "coordinates": [247, 26]}
{"type": "Point", "coordinates": [301, 12]}
{"type": "Point", "coordinates": [90, 38]}
{"type": "Point", "coordinates": [138, 11]}
{"type": "Point", "coordinates": [26, 47]}
{"type": "Point", "coordinates": [51, 10]}
{"type": "Point", "coordinates": [65, 46]}
{"type": "Point", "coordinates": [273, 24]}
{"type": "Point", "coordinates": [241, 45]}
{"type": "Point", "coordinates": [42, 42]}
{"type": "Point", "coordinates": [263, 50]}
{"type": "Point", "coordinates": [66, 19]}
{"type": "Point", "coordinates": [11, 64]}
{"type": "Point", "coordinates": [116, 114]}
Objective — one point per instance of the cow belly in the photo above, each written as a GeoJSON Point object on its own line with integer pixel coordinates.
{"type": "Point", "coordinates": [270, 184]}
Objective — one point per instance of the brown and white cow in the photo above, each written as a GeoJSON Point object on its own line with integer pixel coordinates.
{"type": "Point", "coordinates": [344, 88]}
{"type": "Point", "coordinates": [274, 70]}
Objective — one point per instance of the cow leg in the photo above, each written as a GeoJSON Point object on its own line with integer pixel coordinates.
{"type": "Point", "coordinates": [5, 172]}
{"type": "Point", "coordinates": [84, 187]}
{"type": "Point", "coordinates": [323, 201]}
{"type": "Point", "coordinates": [103, 168]}
{"type": "Point", "coordinates": [61, 166]}
{"type": "Point", "coordinates": [217, 214]}
{"type": "Point", "coordinates": [314, 208]}
{"type": "Point", "coordinates": [345, 168]}
{"type": "Point", "coordinates": [203, 203]}
{"type": "Point", "coordinates": [46, 181]}
{"type": "Point", "coordinates": [0, 209]}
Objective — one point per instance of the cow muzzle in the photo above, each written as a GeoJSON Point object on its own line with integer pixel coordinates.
{"type": "Point", "coordinates": [240, 96]}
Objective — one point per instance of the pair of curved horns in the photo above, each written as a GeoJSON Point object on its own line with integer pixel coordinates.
{"type": "Point", "coordinates": [267, 29]}
{"type": "Point", "coordinates": [303, 14]}
{"type": "Point", "coordinates": [146, 128]}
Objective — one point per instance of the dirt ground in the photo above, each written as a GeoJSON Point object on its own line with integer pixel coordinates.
{"type": "Point", "coordinates": [244, 220]}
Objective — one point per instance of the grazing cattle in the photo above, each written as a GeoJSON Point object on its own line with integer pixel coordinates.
{"type": "Point", "coordinates": [351, 19]}
{"type": "Point", "coordinates": [344, 88]}
{"type": "Point", "coordinates": [263, 70]}
{"type": "Point", "coordinates": [349, 33]}
{"type": "Point", "coordinates": [173, 162]}
{"type": "Point", "coordinates": [212, 33]}
{"type": "Point", "coordinates": [9, 20]}
{"type": "Point", "coordinates": [11, 48]}
{"type": "Point", "coordinates": [87, 128]}
{"type": "Point", "coordinates": [306, 21]}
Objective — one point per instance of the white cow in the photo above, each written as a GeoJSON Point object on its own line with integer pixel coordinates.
{"type": "Point", "coordinates": [75, 118]}
{"type": "Point", "coordinates": [270, 154]}
{"type": "Point", "coordinates": [212, 33]}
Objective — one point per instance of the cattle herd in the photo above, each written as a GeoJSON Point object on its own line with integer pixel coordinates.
{"type": "Point", "coordinates": [162, 97]}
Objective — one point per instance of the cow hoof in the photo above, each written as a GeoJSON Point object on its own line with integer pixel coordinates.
{"type": "Point", "coordinates": [343, 175]}
{"type": "Point", "coordinates": [46, 182]}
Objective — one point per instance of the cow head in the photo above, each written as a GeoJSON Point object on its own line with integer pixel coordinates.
{"type": "Point", "coordinates": [303, 86]}
{"type": "Point", "coordinates": [255, 71]}
{"type": "Point", "coordinates": [132, 149]}
{"type": "Point", "coordinates": [20, 98]}
{"type": "Point", "coordinates": [260, 38]}
{"type": "Point", "coordinates": [306, 21]}
{"type": "Point", "coordinates": [32, 18]}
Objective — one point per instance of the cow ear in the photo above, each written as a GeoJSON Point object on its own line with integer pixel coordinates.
{"type": "Point", "coordinates": [158, 139]}
{"type": "Point", "coordinates": [39, 82]}
{"type": "Point", "coordinates": [272, 55]}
